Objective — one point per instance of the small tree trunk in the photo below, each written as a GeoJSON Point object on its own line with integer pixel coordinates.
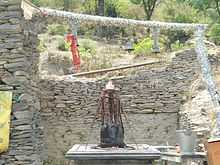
{"type": "Point", "coordinates": [217, 6]}
{"type": "Point", "coordinates": [101, 7]}
{"type": "Point", "coordinates": [66, 4]}
{"type": "Point", "coordinates": [100, 12]}
{"type": "Point", "coordinates": [149, 6]}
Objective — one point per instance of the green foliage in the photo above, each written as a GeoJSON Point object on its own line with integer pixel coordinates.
{"type": "Point", "coordinates": [89, 6]}
{"type": "Point", "coordinates": [111, 8]}
{"type": "Point", "coordinates": [41, 47]}
{"type": "Point", "coordinates": [148, 5]}
{"type": "Point", "coordinates": [173, 11]}
{"type": "Point", "coordinates": [137, 2]}
{"type": "Point", "coordinates": [181, 12]}
{"type": "Point", "coordinates": [87, 49]}
{"type": "Point", "coordinates": [143, 47]}
{"type": "Point", "coordinates": [87, 46]}
{"type": "Point", "coordinates": [212, 16]}
{"type": "Point", "coordinates": [63, 45]}
{"type": "Point", "coordinates": [128, 10]}
{"type": "Point", "coordinates": [36, 2]}
{"type": "Point", "coordinates": [198, 4]}
{"type": "Point", "coordinates": [177, 46]}
{"type": "Point", "coordinates": [57, 29]}
{"type": "Point", "coordinates": [214, 33]}
{"type": "Point", "coordinates": [89, 55]}
{"type": "Point", "coordinates": [206, 6]}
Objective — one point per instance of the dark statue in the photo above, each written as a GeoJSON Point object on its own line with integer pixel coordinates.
{"type": "Point", "coordinates": [110, 110]}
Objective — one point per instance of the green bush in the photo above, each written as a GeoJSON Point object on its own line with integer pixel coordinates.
{"type": "Point", "coordinates": [41, 47]}
{"type": "Point", "coordinates": [91, 58]}
{"type": "Point", "coordinates": [63, 45]}
{"type": "Point", "coordinates": [177, 45]}
{"type": "Point", "coordinates": [57, 29]}
{"type": "Point", "coordinates": [87, 46]}
{"type": "Point", "coordinates": [214, 33]}
{"type": "Point", "coordinates": [127, 9]}
{"type": "Point", "coordinates": [173, 11]}
{"type": "Point", "coordinates": [144, 47]}
{"type": "Point", "coordinates": [36, 2]}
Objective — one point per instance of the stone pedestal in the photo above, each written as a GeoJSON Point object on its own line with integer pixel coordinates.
{"type": "Point", "coordinates": [141, 154]}
{"type": "Point", "coordinates": [155, 37]}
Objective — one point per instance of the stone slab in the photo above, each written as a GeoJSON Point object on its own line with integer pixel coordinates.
{"type": "Point", "coordinates": [89, 152]}
{"type": "Point", "coordinates": [113, 162]}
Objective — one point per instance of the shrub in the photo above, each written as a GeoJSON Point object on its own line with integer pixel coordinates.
{"type": "Point", "coordinates": [177, 45]}
{"type": "Point", "coordinates": [41, 47]}
{"type": "Point", "coordinates": [36, 2]}
{"type": "Point", "coordinates": [63, 45]}
{"type": "Point", "coordinates": [173, 11]}
{"type": "Point", "coordinates": [57, 29]}
{"type": "Point", "coordinates": [129, 10]}
{"type": "Point", "coordinates": [214, 33]}
{"type": "Point", "coordinates": [87, 46]}
{"type": "Point", "coordinates": [144, 47]}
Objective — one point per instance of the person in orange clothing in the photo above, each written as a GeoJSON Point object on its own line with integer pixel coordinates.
{"type": "Point", "coordinates": [75, 51]}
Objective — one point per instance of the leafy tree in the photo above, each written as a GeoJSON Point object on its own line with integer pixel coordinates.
{"type": "Point", "coordinates": [129, 10]}
{"type": "Point", "coordinates": [111, 8]}
{"type": "Point", "coordinates": [89, 6]}
{"type": "Point", "coordinates": [181, 12]}
{"type": "Point", "coordinates": [198, 4]}
{"type": "Point", "coordinates": [148, 5]}
{"type": "Point", "coordinates": [204, 4]}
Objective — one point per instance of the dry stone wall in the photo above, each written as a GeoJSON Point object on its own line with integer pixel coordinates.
{"type": "Point", "coordinates": [152, 99]}
{"type": "Point", "coordinates": [17, 70]}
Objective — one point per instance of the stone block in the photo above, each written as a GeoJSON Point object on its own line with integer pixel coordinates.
{"type": "Point", "coordinates": [12, 67]}
{"type": "Point", "coordinates": [3, 62]}
{"type": "Point", "coordinates": [60, 105]}
{"type": "Point", "coordinates": [5, 88]}
{"type": "Point", "coordinates": [22, 157]}
{"type": "Point", "coordinates": [14, 8]}
{"type": "Point", "coordinates": [23, 114]}
{"type": "Point", "coordinates": [23, 127]}
{"type": "Point", "coordinates": [8, 28]}
{"type": "Point", "coordinates": [13, 80]}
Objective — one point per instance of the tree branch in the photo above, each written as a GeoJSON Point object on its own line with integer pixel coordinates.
{"type": "Point", "coordinates": [217, 6]}
{"type": "Point", "coordinates": [149, 6]}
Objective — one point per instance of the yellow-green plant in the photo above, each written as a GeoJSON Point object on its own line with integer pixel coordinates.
{"type": "Point", "coordinates": [143, 47]}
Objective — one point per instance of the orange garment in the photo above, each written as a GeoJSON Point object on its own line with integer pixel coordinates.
{"type": "Point", "coordinates": [75, 52]}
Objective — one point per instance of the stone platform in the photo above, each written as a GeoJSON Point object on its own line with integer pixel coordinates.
{"type": "Point", "coordinates": [90, 154]}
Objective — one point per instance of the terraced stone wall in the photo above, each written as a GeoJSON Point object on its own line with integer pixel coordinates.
{"type": "Point", "coordinates": [18, 72]}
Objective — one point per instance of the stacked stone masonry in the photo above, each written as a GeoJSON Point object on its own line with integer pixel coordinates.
{"type": "Point", "coordinates": [17, 66]}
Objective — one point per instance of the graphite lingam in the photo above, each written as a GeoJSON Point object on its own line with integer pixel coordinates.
{"type": "Point", "coordinates": [110, 110]}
